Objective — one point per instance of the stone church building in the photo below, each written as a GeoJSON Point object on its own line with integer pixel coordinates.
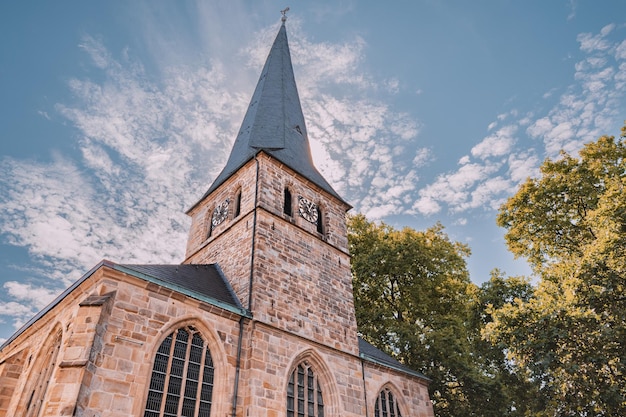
{"type": "Point", "coordinates": [258, 320]}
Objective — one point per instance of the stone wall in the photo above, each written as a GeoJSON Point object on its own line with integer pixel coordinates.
{"type": "Point", "coordinates": [112, 324]}
{"type": "Point", "coordinates": [410, 392]}
{"type": "Point", "coordinates": [301, 280]}
{"type": "Point", "coordinates": [230, 243]}
{"type": "Point", "coordinates": [108, 345]}
{"type": "Point", "coordinates": [11, 370]}
{"type": "Point", "coordinates": [272, 357]}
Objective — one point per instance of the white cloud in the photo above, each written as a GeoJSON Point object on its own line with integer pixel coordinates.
{"type": "Point", "coordinates": [620, 51]}
{"type": "Point", "coordinates": [149, 147]}
{"type": "Point", "coordinates": [426, 205]}
{"type": "Point", "coordinates": [498, 144]}
{"type": "Point", "coordinates": [583, 112]}
{"type": "Point", "coordinates": [490, 193]}
{"type": "Point", "coordinates": [523, 165]}
{"type": "Point", "coordinates": [422, 157]}
{"type": "Point", "coordinates": [38, 296]}
{"type": "Point", "coordinates": [464, 160]}
{"type": "Point", "coordinates": [572, 5]}
{"type": "Point", "coordinates": [590, 42]}
{"type": "Point", "coordinates": [454, 189]}
{"type": "Point", "coordinates": [392, 85]}
{"type": "Point", "coordinates": [18, 313]}
{"type": "Point", "coordinates": [150, 144]}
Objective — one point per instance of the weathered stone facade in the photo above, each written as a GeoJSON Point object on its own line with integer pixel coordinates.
{"type": "Point", "coordinates": [111, 326]}
{"type": "Point", "coordinates": [301, 280]}
{"type": "Point", "coordinates": [94, 351]}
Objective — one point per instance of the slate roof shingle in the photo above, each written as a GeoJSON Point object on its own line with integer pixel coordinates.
{"type": "Point", "coordinates": [206, 280]}
{"type": "Point", "coordinates": [369, 351]}
{"type": "Point", "coordinates": [274, 122]}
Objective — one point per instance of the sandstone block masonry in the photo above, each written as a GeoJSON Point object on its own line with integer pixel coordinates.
{"type": "Point", "coordinates": [300, 279]}
{"type": "Point", "coordinates": [110, 328]}
{"type": "Point", "coordinates": [100, 341]}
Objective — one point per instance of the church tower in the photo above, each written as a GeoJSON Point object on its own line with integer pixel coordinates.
{"type": "Point", "coordinates": [274, 224]}
{"type": "Point", "coordinates": [258, 320]}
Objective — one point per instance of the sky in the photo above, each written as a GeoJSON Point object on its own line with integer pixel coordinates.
{"type": "Point", "coordinates": [116, 116]}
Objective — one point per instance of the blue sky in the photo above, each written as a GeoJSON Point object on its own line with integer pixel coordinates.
{"type": "Point", "coordinates": [115, 117]}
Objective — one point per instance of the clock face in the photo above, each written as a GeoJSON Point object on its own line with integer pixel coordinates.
{"type": "Point", "coordinates": [220, 213]}
{"type": "Point", "coordinates": [307, 209]}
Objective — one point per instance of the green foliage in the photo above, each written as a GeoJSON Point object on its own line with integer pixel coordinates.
{"type": "Point", "coordinates": [517, 394]}
{"type": "Point", "coordinates": [414, 299]}
{"type": "Point", "coordinates": [570, 335]}
{"type": "Point", "coordinates": [576, 201]}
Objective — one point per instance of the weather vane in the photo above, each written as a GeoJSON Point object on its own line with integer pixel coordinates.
{"type": "Point", "coordinates": [284, 13]}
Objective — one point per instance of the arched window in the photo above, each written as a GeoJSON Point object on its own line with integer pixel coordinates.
{"type": "Point", "coordinates": [210, 221]}
{"type": "Point", "coordinates": [37, 391]}
{"type": "Point", "coordinates": [386, 405]}
{"type": "Point", "coordinates": [182, 377]}
{"type": "Point", "coordinates": [320, 221]}
{"type": "Point", "coordinates": [287, 202]}
{"type": "Point", "coordinates": [304, 395]}
{"type": "Point", "coordinates": [237, 203]}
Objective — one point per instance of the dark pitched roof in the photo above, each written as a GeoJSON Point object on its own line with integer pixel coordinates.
{"type": "Point", "coordinates": [204, 281]}
{"type": "Point", "coordinates": [274, 122]}
{"type": "Point", "coordinates": [373, 354]}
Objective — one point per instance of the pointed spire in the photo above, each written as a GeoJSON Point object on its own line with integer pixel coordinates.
{"type": "Point", "coordinates": [274, 122]}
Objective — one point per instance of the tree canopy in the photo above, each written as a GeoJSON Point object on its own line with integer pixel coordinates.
{"type": "Point", "coordinates": [508, 347]}
{"type": "Point", "coordinates": [414, 299]}
{"type": "Point", "coordinates": [570, 336]}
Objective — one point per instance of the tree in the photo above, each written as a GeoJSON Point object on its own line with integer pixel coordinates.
{"type": "Point", "coordinates": [570, 335]}
{"type": "Point", "coordinates": [515, 394]}
{"type": "Point", "coordinates": [414, 299]}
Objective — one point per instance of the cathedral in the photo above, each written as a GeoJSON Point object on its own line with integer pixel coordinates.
{"type": "Point", "coordinates": [257, 321]}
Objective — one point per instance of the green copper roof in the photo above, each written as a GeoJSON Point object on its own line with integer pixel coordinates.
{"type": "Point", "coordinates": [274, 122]}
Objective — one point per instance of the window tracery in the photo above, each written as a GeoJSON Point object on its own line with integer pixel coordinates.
{"type": "Point", "coordinates": [39, 388]}
{"type": "Point", "coordinates": [182, 377]}
{"type": "Point", "coordinates": [304, 394]}
{"type": "Point", "coordinates": [386, 405]}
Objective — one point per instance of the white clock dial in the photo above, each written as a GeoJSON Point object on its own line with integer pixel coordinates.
{"type": "Point", "coordinates": [307, 209]}
{"type": "Point", "coordinates": [220, 213]}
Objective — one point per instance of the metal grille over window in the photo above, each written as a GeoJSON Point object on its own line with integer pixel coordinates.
{"type": "Point", "coordinates": [386, 405]}
{"type": "Point", "coordinates": [182, 377]}
{"type": "Point", "coordinates": [304, 395]}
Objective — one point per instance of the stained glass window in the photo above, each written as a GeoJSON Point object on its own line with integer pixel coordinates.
{"type": "Point", "coordinates": [182, 377]}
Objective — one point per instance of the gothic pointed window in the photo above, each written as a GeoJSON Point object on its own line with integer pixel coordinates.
{"type": "Point", "coordinates": [386, 405]}
{"type": "Point", "coordinates": [182, 377]}
{"type": "Point", "coordinates": [287, 202]}
{"type": "Point", "coordinates": [42, 373]}
{"type": "Point", "coordinates": [304, 394]}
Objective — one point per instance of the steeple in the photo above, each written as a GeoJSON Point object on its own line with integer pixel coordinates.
{"type": "Point", "coordinates": [274, 122]}
{"type": "Point", "coordinates": [272, 222]}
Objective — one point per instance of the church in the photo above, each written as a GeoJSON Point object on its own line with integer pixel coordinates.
{"type": "Point", "coordinates": [257, 321]}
